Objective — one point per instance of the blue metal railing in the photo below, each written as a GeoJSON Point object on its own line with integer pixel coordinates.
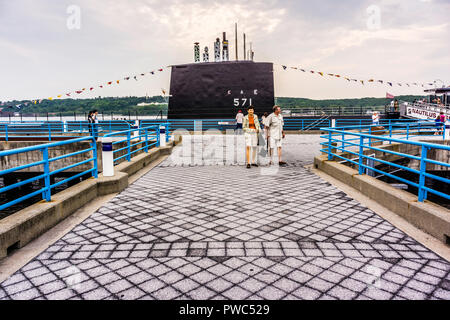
{"type": "Point", "coordinates": [360, 122]}
{"type": "Point", "coordinates": [53, 129]}
{"type": "Point", "coordinates": [59, 129]}
{"type": "Point", "coordinates": [136, 140]}
{"type": "Point", "coordinates": [31, 129]}
{"type": "Point", "coordinates": [344, 143]}
{"type": "Point", "coordinates": [166, 124]}
{"type": "Point", "coordinates": [101, 128]}
{"type": "Point", "coordinates": [46, 190]}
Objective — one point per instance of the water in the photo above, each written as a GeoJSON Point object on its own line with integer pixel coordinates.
{"type": "Point", "coordinates": [29, 188]}
{"type": "Point", "coordinates": [430, 183]}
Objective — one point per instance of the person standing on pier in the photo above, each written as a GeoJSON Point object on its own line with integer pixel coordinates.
{"type": "Point", "coordinates": [275, 133]}
{"type": "Point", "coordinates": [239, 119]}
{"type": "Point", "coordinates": [93, 123]}
{"type": "Point", "coordinates": [251, 129]}
{"type": "Point", "coordinates": [375, 118]}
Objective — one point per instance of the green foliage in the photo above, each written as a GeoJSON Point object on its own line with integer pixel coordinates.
{"type": "Point", "coordinates": [103, 105]}
{"type": "Point", "coordinates": [362, 102]}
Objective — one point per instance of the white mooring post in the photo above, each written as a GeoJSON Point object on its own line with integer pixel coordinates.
{"type": "Point", "coordinates": [136, 126]}
{"type": "Point", "coordinates": [107, 157]}
{"type": "Point", "coordinates": [162, 137]}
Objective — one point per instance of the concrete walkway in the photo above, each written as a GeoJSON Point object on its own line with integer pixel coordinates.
{"type": "Point", "coordinates": [191, 229]}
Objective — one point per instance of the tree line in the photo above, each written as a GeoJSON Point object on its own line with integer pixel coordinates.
{"type": "Point", "coordinates": [124, 105]}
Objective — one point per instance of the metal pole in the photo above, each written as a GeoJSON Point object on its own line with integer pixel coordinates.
{"type": "Point", "coordinates": [235, 35]}
{"type": "Point", "coordinates": [329, 146]}
{"type": "Point", "coordinates": [245, 53]}
{"type": "Point", "coordinates": [94, 153]}
{"type": "Point", "coordinates": [129, 145]}
{"type": "Point", "coordinates": [423, 169]}
{"type": "Point", "coordinates": [361, 152]}
{"type": "Point", "coordinates": [46, 195]}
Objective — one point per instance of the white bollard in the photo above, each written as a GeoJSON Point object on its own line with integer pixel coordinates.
{"type": "Point", "coordinates": [107, 157]}
{"type": "Point", "coordinates": [162, 136]}
{"type": "Point", "coordinates": [136, 126]}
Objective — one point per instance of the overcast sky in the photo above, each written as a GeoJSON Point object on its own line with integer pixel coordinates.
{"type": "Point", "coordinates": [397, 40]}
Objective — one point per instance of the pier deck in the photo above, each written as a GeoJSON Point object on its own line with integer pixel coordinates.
{"type": "Point", "coordinates": [199, 230]}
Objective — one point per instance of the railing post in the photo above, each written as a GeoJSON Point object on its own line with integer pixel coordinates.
{"type": "Point", "coordinates": [423, 168]}
{"type": "Point", "coordinates": [343, 142]}
{"type": "Point", "coordinates": [390, 132]}
{"type": "Point", "coordinates": [94, 152]}
{"type": "Point", "coordinates": [129, 145]}
{"type": "Point", "coordinates": [407, 131]}
{"type": "Point", "coordinates": [370, 138]}
{"type": "Point", "coordinates": [330, 157]}
{"type": "Point", "coordinates": [6, 132]}
{"type": "Point", "coordinates": [107, 157]}
{"type": "Point", "coordinates": [146, 140]}
{"type": "Point", "coordinates": [46, 195]}
{"type": "Point", "coordinates": [167, 131]}
{"type": "Point", "coordinates": [49, 132]}
{"type": "Point", "coordinates": [361, 152]}
{"type": "Point", "coordinates": [158, 136]}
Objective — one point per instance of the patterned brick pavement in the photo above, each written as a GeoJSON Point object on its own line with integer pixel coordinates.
{"type": "Point", "coordinates": [204, 231]}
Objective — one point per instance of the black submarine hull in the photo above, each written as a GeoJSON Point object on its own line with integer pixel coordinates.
{"type": "Point", "coordinates": [217, 90]}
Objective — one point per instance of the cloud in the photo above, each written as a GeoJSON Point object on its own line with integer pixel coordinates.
{"type": "Point", "coordinates": [119, 38]}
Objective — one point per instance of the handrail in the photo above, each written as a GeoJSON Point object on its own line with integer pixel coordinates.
{"type": "Point", "coordinates": [147, 133]}
{"type": "Point", "coordinates": [46, 190]}
{"type": "Point", "coordinates": [337, 146]}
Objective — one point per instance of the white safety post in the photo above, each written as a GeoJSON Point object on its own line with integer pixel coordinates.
{"type": "Point", "coordinates": [447, 130]}
{"type": "Point", "coordinates": [333, 123]}
{"type": "Point", "coordinates": [136, 126]}
{"type": "Point", "coordinates": [162, 137]}
{"type": "Point", "coordinates": [107, 157]}
{"type": "Point", "coordinates": [65, 125]}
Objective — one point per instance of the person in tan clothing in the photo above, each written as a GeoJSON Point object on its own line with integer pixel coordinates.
{"type": "Point", "coordinates": [251, 129]}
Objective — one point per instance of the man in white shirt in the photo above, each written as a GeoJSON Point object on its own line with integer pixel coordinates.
{"type": "Point", "coordinates": [275, 133]}
{"type": "Point", "coordinates": [376, 118]}
{"type": "Point", "coordinates": [239, 119]}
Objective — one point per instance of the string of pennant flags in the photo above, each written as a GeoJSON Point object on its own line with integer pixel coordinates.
{"type": "Point", "coordinates": [153, 72]}
{"type": "Point", "coordinates": [349, 79]}
{"type": "Point", "coordinates": [83, 90]}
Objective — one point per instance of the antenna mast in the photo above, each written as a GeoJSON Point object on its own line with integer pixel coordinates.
{"type": "Point", "coordinates": [235, 36]}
